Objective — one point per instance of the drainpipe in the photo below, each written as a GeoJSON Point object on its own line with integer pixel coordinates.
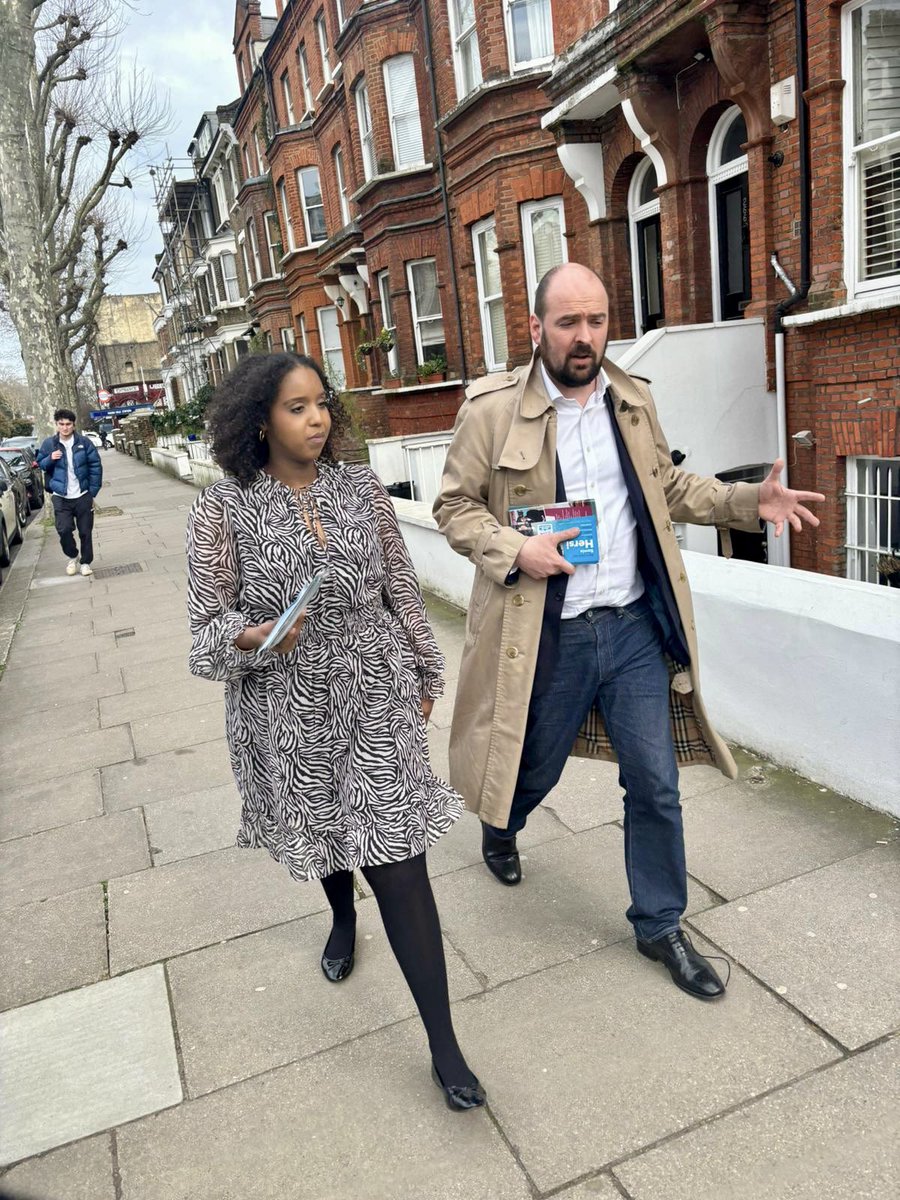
{"type": "Point", "coordinates": [797, 294]}
{"type": "Point", "coordinates": [426, 20]}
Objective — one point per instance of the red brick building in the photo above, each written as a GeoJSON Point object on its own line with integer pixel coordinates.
{"type": "Point", "coordinates": [732, 170]}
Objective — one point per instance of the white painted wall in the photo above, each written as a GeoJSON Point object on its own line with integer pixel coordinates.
{"type": "Point", "coordinates": [803, 668]}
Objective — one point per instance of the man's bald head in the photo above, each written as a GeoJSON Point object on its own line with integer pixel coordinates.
{"type": "Point", "coordinates": [561, 277]}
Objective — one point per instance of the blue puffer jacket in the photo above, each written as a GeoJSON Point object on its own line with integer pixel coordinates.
{"type": "Point", "coordinates": [88, 467]}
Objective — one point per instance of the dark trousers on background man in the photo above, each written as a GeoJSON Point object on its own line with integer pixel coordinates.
{"type": "Point", "coordinates": [72, 514]}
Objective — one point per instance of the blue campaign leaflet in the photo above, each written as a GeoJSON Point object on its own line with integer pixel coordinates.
{"type": "Point", "coordinates": [553, 518]}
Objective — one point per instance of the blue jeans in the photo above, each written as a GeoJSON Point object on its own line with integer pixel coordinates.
{"type": "Point", "coordinates": [613, 658]}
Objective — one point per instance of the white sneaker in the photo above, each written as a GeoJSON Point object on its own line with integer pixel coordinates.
{"type": "Point", "coordinates": [86, 570]}
{"type": "Point", "coordinates": [72, 566]}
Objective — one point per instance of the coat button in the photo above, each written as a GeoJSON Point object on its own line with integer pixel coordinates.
{"type": "Point", "coordinates": [682, 577]}
{"type": "Point", "coordinates": [512, 652]}
{"type": "Point", "coordinates": [520, 489]}
{"type": "Point", "coordinates": [669, 526]}
{"type": "Point", "coordinates": [635, 419]}
{"type": "Point", "coordinates": [518, 600]}
{"type": "Point", "coordinates": [655, 472]}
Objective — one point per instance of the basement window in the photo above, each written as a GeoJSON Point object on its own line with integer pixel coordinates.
{"type": "Point", "coordinates": [873, 520]}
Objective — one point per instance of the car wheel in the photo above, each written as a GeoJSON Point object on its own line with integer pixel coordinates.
{"type": "Point", "coordinates": [4, 546]}
{"type": "Point", "coordinates": [16, 538]}
{"type": "Point", "coordinates": [37, 497]}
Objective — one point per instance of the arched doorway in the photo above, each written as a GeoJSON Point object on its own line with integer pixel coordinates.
{"type": "Point", "coordinates": [729, 212]}
{"type": "Point", "coordinates": [646, 248]}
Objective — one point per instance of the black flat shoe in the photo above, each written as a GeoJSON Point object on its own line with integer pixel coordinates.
{"type": "Point", "coordinates": [689, 970]}
{"type": "Point", "coordinates": [501, 856]}
{"type": "Point", "coordinates": [336, 969]}
{"type": "Point", "coordinates": [460, 1098]}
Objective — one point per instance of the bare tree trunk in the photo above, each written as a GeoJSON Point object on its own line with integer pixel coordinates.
{"type": "Point", "coordinates": [30, 290]}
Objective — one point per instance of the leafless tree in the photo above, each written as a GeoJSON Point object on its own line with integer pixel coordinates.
{"type": "Point", "coordinates": [71, 130]}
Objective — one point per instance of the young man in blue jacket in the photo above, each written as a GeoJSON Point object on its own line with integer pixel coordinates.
{"type": "Point", "coordinates": [74, 475]}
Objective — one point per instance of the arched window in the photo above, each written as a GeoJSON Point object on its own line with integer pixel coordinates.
{"type": "Point", "coordinates": [646, 248]}
{"type": "Point", "coordinates": [729, 216]}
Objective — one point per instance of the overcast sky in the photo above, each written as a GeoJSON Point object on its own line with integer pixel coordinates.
{"type": "Point", "coordinates": [185, 45]}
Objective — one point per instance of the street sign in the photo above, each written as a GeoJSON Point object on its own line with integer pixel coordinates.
{"type": "Point", "coordinates": [121, 411]}
{"type": "Point", "coordinates": [103, 396]}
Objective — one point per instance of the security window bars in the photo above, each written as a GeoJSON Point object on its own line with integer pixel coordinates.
{"type": "Point", "coordinates": [466, 58]}
{"type": "Point", "coordinates": [403, 111]}
{"type": "Point", "coordinates": [364, 116]}
{"type": "Point", "coordinates": [529, 32]}
{"type": "Point", "coordinates": [490, 295]}
{"type": "Point", "coordinates": [313, 205]}
{"type": "Point", "coordinates": [428, 321]}
{"type": "Point", "coordinates": [873, 520]}
{"type": "Point", "coordinates": [543, 236]}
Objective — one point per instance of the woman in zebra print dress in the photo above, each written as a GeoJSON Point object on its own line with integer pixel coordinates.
{"type": "Point", "coordinates": [327, 729]}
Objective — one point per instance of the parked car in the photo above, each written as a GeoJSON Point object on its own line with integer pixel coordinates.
{"type": "Point", "coordinates": [25, 466]}
{"type": "Point", "coordinates": [12, 489]}
{"type": "Point", "coordinates": [93, 438]}
{"type": "Point", "coordinates": [25, 444]}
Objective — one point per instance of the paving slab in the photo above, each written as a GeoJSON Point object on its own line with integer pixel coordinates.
{"type": "Point", "coordinates": [257, 1002]}
{"type": "Point", "coordinates": [173, 668]}
{"type": "Point", "coordinates": [167, 608]}
{"type": "Point", "coordinates": [188, 825]}
{"type": "Point", "coordinates": [177, 730]}
{"type": "Point", "coordinates": [179, 692]}
{"type": "Point", "coordinates": [185, 905]}
{"type": "Point", "coordinates": [85, 1061]}
{"type": "Point", "coordinates": [572, 900]}
{"type": "Point", "coordinates": [460, 847]}
{"type": "Point", "coordinates": [46, 605]}
{"type": "Point", "coordinates": [751, 835]}
{"type": "Point", "coordinates": [613, 1057]}
{"type": "Point", "coordinates": [56, 651]}
{"type": "Point", "coordinates": [94, 748]}
{"type": "Point", "coordinates": [36, 631]}
{"type": "Point", "coordinates": [128, 651]}
{"type": "Point", "coordinates": [600, 1187]}
{"type": "Point", "coordinates": [183, 771]}
{"type": "Point", "coordinates": [52, 946]}
{"type": "Point", "coordinates": [122, 586]}
{"type": "Point", "coordinates": [26, 735]}
{"type": "Point", "coordinates": [22, 673]}
{"type": "Point", "coordinates": [49, 805]}
{"type": "Point", "coordinates": [362, 1120]}
{"type": "Point", "coordinates": [71, 857]}
{"type": "Point", "coordinates": [826, 941]}
{"type": "Point", "coordinates": [832, 1136]}
{"type": "Point", "coordinates": [81, 1171]}
{"type": "Point", "coordinates": [24, 694]}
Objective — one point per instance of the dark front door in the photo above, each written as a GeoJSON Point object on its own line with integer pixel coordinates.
{"type": "Point", "coordinates": [733, 215]}
{"type": "Point", "coordinates": [649, 245]}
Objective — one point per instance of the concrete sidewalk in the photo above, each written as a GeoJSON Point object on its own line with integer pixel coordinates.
{"type": "Point", "coordinates": [166, 1031]}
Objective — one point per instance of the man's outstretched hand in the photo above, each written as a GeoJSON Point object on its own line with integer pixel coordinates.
{"type": "Point", "coordinates": [779, 504]}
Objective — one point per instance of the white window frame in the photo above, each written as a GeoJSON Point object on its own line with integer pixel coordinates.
{"type": "Point", "coordinates": [394, 116]}
{"type": "Point", "coordinates": [248, 162]}
{"type": "Point", "coordinates": [324, 48]}
{"type": "Point", "coordinates": [418, 321]}
{"type": "Point", "coordinates": [305, 82]}
{"type": "Point", "coordinates": [233, 173]}
{"type": "Point", "coordinates": [458, 37]}
{"type": "Point", "coordinates": [534, 206]}
{"type": "Point", "coordinates": [337, 156]}
{"type": "Point", "coordinates": [339, 378]}
{"type": "Point", "coordinates": [288, 339]}
{"type": "Point", "coordinates": [383, 280]}
{"type": "Point", "coordinates": [242, 242]}
{"type": "Point", "coordinates": [531, 63]}
{"type": "Point", "coordinates": [339, 10]}
{"type": "Point", "coordinates": [305, 206]}
{"type": "Point", "coordinates": [857, 286]}
{"type": "Point", "coordinates": [491, 362]}
{"type": "Point", "coordinates": [304, 340]}
{"type": "Point", "coordinates": [274, 260]}
{"type": "Point", "coordinates": [289, 113]}
{"type": "Point", "coordinates": [261, 165]}
{"type": "Point", "coordinates": [221, 199]}
{"type": "Point", "coordinates": [366, 138]}
{"type": "Point", "coordinates": [716, 174]}
{"type": "Point", "coordinates": [863, 549]}
{"type": "Point", "coordinates": [254, 247]}
{"type": "Point", "coordinates": [640, 212]}
{"type": "Point", "coordinates": [287, 225]}
{"type": "Point", "coordinates": [231, 283]}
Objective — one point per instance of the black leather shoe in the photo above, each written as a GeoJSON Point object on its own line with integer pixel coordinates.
{"type": "Point", "coordinates": [501, 856]}
{"type": "Point", "coordinates": [460, 1098]}
{"type": "Point", "coordinates": [690, 970]}
{"type": "Point", "coordinates": [336, 969]}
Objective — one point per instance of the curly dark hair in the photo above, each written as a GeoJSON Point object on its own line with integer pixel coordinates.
{"type": "Point", "coordinates": [240, 407]}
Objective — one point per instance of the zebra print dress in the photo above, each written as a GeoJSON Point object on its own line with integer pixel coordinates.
{"type": "Point", "coordinates": [327, 742]}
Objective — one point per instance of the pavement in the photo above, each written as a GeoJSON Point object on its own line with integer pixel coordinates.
{"type": "Point", "coordinates": [166, 1031]}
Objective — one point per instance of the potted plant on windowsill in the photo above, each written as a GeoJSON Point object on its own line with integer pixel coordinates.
{"type": "Point", "coordinates": [383, 341]}
{"type": "Point", "coordinates": [432, 370]}
{"type": "Point", "coordinates": [392, 379]}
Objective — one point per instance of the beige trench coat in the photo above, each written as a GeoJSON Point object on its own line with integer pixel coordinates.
{"type": "Point", "coordinates": [503, 454]}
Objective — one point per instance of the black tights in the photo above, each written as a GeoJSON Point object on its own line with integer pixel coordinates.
{"type": "Point", "coordinates": [406, 903]}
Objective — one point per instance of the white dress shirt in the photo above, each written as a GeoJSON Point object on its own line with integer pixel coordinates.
{"type": "Point", "coordinates": [589, 460]}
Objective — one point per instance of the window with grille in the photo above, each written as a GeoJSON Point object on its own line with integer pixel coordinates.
{"type": "Point", "coordinates": [490, 295]}
{"type": "Point", "coordinates": [466, 58]}
{"type": "Point", "coordinates": [313, 205]}
{"type": "Point", "coordinates": [364, 116]}
{"type": "Point", "coordinates": [543, 238]}
{"type": "Point", "coordinates": [332, 354]}
{"type": "Point", "coordinates": [428, 321]}
{"type": "Point", "coordinates": [341, 185]}
{"type": "Point", "coordinates": [873, 520]}
{"type": "Point", "coordinates": [872, 136]}
{"type": "Point", "coordinates": [529, 32]}
{"type": "Point", "coordinates": [287, 223]}
{"type": "Point", "coordinates": [403, 111]}
{"type": "Point", "coordinates": [383, 279]}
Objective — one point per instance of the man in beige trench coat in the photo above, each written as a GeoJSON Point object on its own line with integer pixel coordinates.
{"type": "Point", "coordinates": [599, 659]}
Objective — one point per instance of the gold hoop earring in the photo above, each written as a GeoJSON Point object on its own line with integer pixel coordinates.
{"type": "Point", "coordinates": [262, 435]}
